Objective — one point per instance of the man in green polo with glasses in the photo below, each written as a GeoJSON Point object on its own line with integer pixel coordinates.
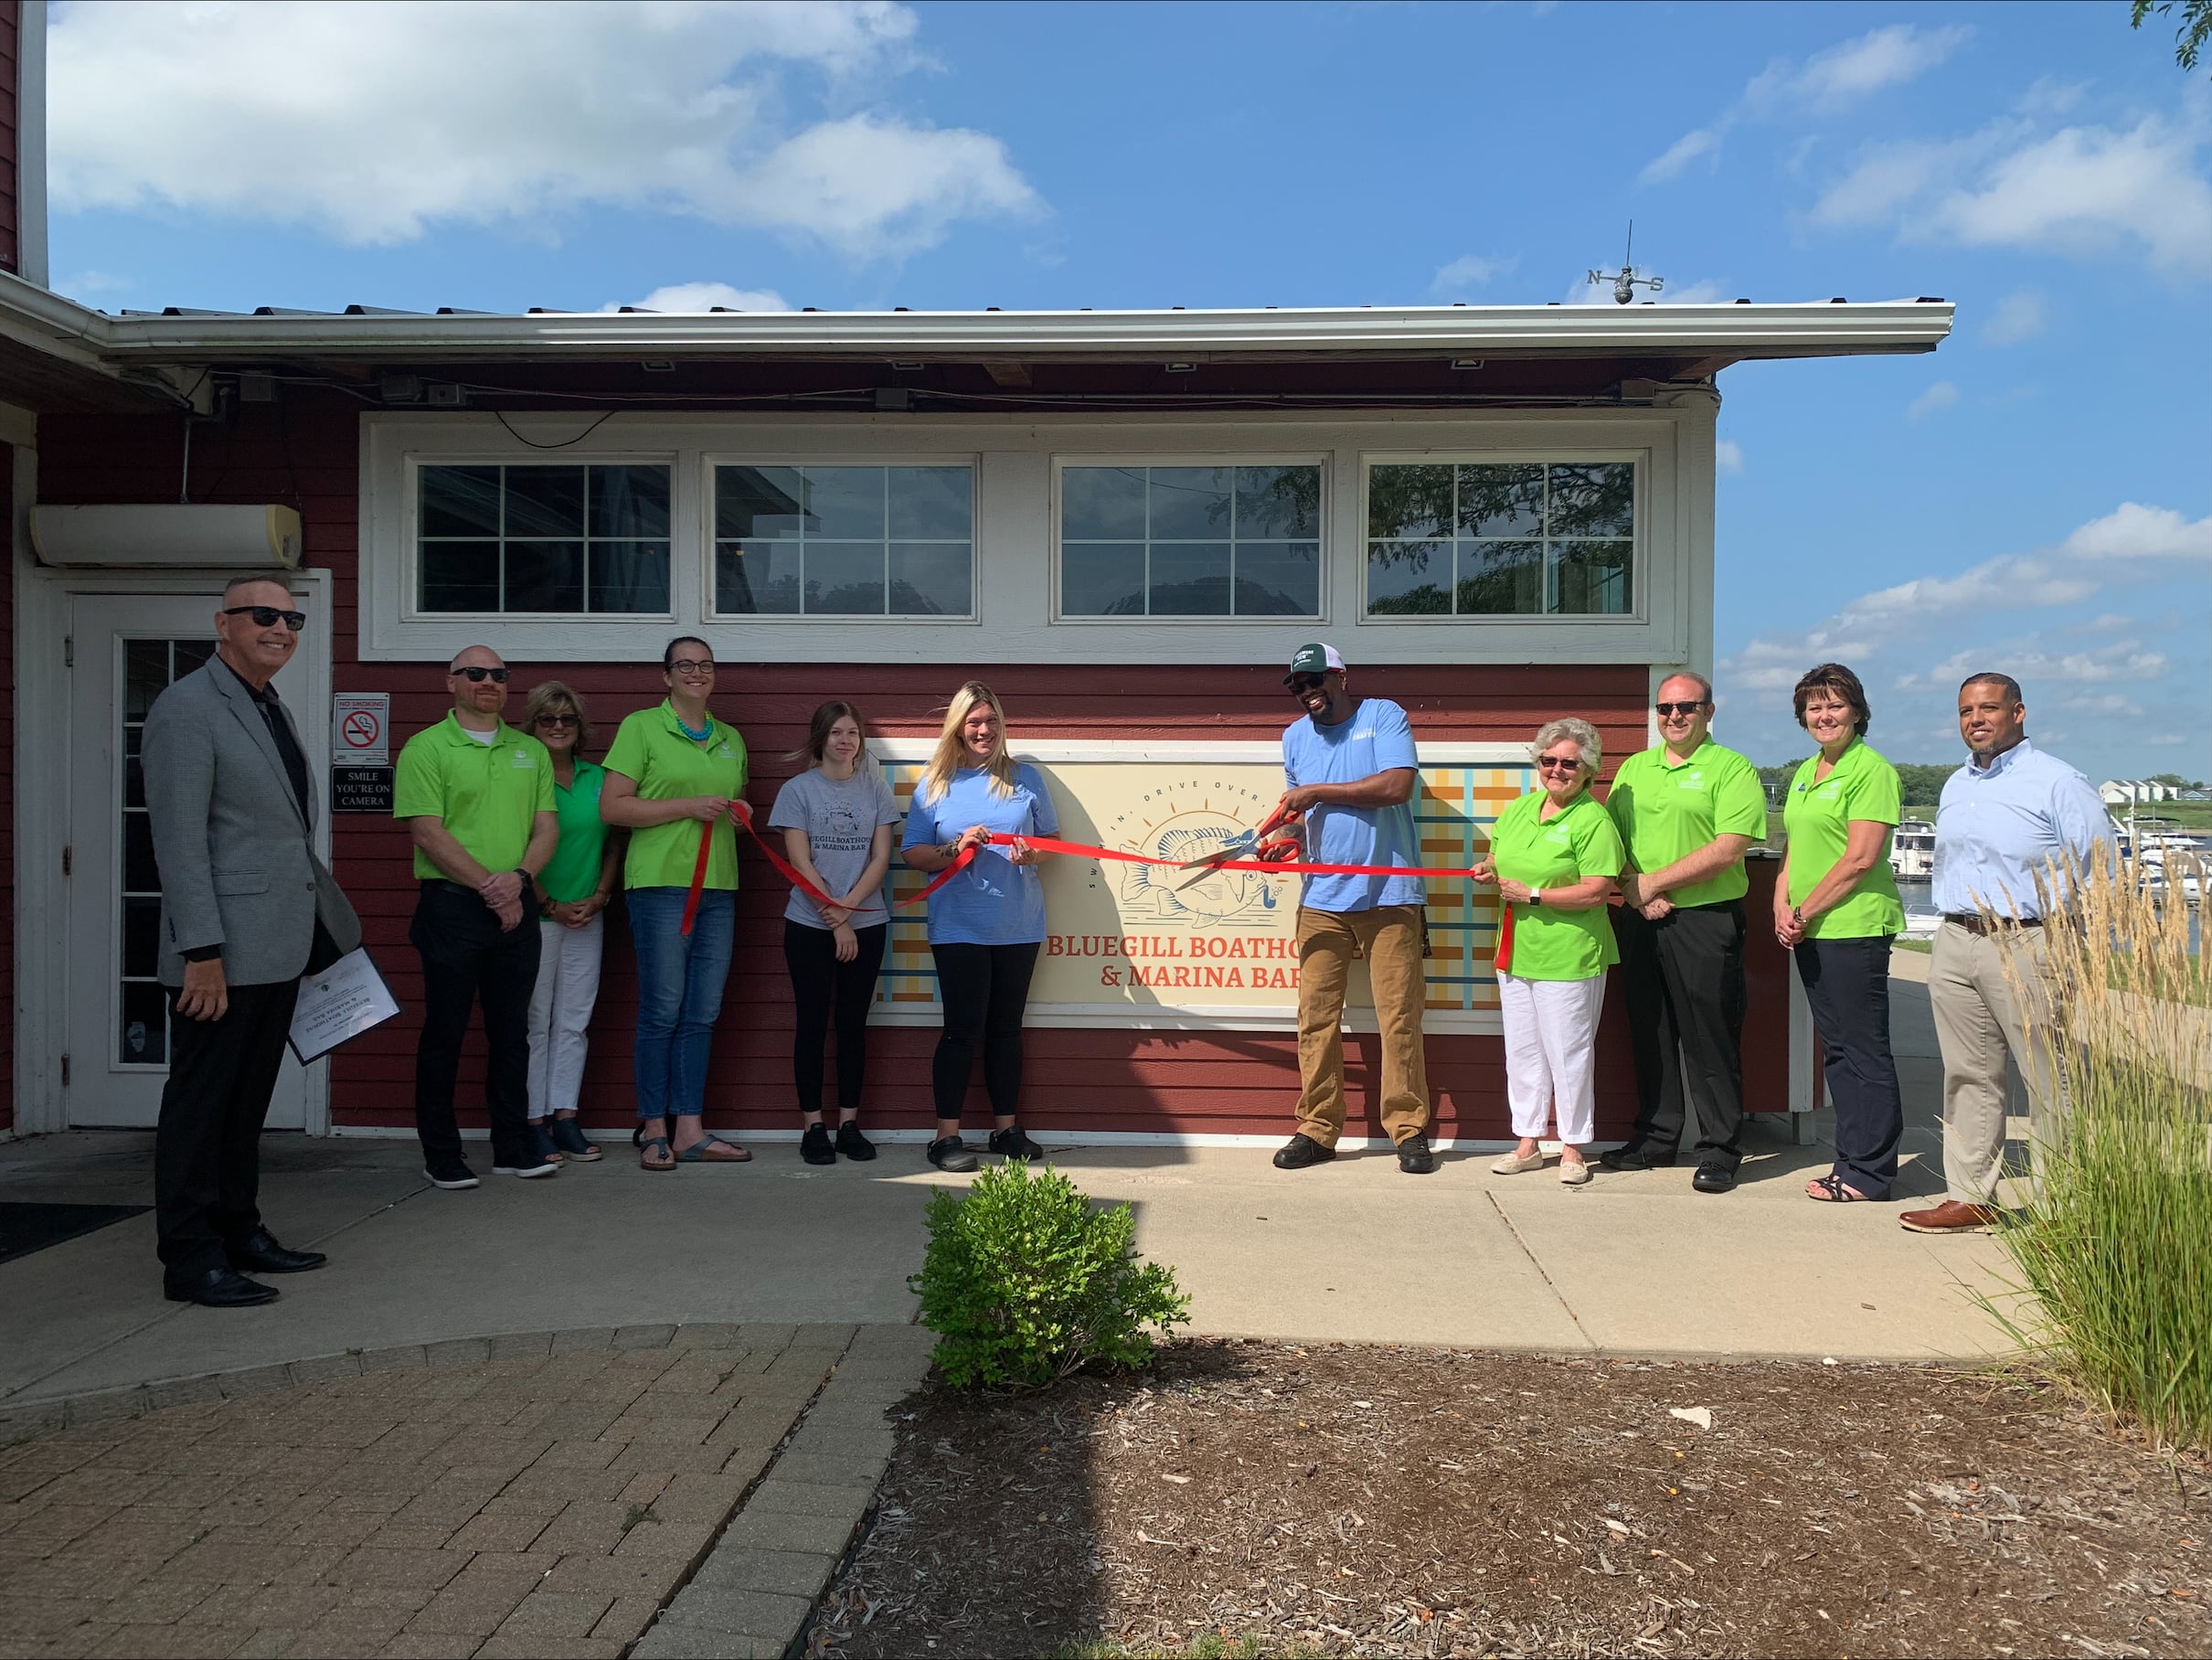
{"type": "Point", "coordinates": [1687, 811]}
{"type": "Point", "coordinates": [476, 796]}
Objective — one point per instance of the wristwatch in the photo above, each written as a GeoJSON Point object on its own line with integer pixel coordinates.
{"type": "Point", "coordinates": [1536, 896]}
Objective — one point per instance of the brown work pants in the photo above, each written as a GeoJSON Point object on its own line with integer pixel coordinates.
{"type": "Point", "coordinates": [1391, 936]}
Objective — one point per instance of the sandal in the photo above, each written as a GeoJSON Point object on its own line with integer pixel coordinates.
{"type": "Point", "coordinates": [647, 1161]}
{"type": "Point", "coordinates": [714, 1150]}
{"type": "Point", "coordinates": [1830, 1190]}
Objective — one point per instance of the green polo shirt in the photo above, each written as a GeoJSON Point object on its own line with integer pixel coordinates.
{"type": "Point", "coordinates": [572, 874]}
{"type": "Point", "coordinates": [653, 752]}
{"type": "Point", "coordinates": [1548, 943]}
{"type": "Point", "coordinates": [489, 795]}
{"type": "Point", "coordinates": [1667, 811]}
{"type": "Point", "coordinates": [1817, 817]}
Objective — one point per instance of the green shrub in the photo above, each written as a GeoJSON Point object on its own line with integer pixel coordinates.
{"type": "Point", "coordinates": [1025, 1281]}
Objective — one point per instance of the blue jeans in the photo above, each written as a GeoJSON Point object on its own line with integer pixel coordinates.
{"type": "Point", "coordinates": [679, 993]}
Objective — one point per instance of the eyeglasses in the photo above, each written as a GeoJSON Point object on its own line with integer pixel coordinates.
{"type": "Point", "coordinates": [498, 676]}
{"type": "Point", "coordinates": [558, 720]}
{"type": "Point", "coordinates": [1666, 709]}
{"type": "Point", "coordinates": [1301, 685]}
{"type": "Point", "coordinates": [267, 616]}
{"type": "Point", "coordinates": [1555, 763]}
{"type": "Point", "coordinates": [687, 665]}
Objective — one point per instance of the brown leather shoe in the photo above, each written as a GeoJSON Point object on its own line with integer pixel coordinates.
{"type": "Point", "coordinates": [1953, 1216]}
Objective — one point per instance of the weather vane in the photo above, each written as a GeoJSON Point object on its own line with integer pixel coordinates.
{"type": "Point", "coordinates": [1625, 280]}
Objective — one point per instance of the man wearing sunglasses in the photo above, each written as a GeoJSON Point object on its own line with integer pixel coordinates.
{"type": "Point", "coordinates": [246, 908]}
{"type": "Point", "coordinates": [1352, 770]}
{"type": "Point", "coordinates": [1688, 810]}
{"type": "Point", "coordinates": [476, 796]}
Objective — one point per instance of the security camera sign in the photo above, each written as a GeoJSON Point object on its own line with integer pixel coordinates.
{"type": "Point", "coordinates": [361, 725]}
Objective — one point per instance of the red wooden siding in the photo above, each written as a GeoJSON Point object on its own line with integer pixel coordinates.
{"type": "Point", "coordinates": [8, 796]}
{"type": "Point", "coordinates": [304, 452]}
{"type": "Point", "coordinates": [11, 219]}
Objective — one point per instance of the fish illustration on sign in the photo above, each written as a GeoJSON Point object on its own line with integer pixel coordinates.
{"type": "Point", "coordinates": [1222, 896]}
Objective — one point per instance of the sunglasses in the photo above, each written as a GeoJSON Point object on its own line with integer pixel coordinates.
{"type": "Point", "coordinates": [498, 676]}
{"type": "Point", "coordinates": [1678, 708]}
{"type": "Point", "coordinates": [1553, 763]}
{"type": "Point", "coordinates": [556, 720]}
{"type": "Point", "coordinates": [1301, 685]}
{"type": "Point", "coordinates": [686, 665]}
{"type": "Point", "coordinates": [268, 616]}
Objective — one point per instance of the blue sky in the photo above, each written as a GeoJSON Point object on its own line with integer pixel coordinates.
{"type": "Point", "coordinates": [2036, 495]}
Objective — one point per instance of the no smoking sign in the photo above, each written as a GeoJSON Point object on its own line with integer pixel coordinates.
{"type": "Point", "coordinates": [361, 724]}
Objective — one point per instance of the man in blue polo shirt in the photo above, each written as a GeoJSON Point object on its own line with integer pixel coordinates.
{"type": "Point", "coordinates": [1353, 774]}
{"type": "Point", "coordinates": [2011, 815]}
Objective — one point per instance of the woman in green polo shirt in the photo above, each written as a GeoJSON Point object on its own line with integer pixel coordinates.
{"type": "Point", "coordinates": [573, 893]}
{"type": "Point", "coordinates": [1554, 855]}
{"type": "Point", "coordinates": [1836, 909]}
{"type": "Point", "coordinates": [671, 776]}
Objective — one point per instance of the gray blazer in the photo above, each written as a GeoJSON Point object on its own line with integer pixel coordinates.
{"type": "Point", "coordinates": [238, 862]}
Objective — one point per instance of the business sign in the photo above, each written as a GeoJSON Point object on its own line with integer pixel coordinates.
{"type": "Point", "coordinates": [1128, 947]}
{"type": "Point", "coordinates": [361, 729]}
{"type": "Point", "coordinates": [361, 790]}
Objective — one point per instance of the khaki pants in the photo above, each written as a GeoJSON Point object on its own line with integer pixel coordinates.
{"type": "Point", "coordinates": [1979, 1025]}
{"type": "Point", "coordinates": [1391, 935]}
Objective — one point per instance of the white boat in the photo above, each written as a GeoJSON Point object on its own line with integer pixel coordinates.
{"type": "Point", "coordinates": [1921, 924]}
{"type": "Point", "coordinates": [1912, 848]}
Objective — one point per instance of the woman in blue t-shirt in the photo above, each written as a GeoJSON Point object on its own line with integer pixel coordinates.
{"type": "Point", "coordinates": [987, 924]}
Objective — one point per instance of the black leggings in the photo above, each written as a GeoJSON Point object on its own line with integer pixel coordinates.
{"type": "Point", "coordinates": [985, 989]}
{"type": "Point", "coordinates": [819, 985]}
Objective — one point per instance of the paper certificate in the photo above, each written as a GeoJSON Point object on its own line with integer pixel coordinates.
{"type": "Point", "coordinates": [339, 1004]}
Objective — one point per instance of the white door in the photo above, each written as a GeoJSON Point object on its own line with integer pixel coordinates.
{"type": "Point", "coordinates": [126, 648]}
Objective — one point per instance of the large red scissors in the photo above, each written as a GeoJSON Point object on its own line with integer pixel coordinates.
{"type": "Point", "coordinates": [1243, 844]}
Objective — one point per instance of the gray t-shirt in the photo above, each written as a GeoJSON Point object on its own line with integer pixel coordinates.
{"type": "Point", "coordinates": [840, 817]}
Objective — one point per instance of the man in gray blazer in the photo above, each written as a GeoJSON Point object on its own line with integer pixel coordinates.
{"type": "Point", "coordinates": [246, 908]}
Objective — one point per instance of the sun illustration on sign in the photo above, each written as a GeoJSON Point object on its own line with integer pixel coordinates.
{"type": "Point", "coordinates": [1188, 819]}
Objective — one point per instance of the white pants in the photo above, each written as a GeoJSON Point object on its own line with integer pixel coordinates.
{"type": "Point", "coordinates": [561, 1008]}
{"type": "Point", "coordinates": [1551, 1051]}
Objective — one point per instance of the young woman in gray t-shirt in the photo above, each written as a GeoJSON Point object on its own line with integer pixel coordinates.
{"type": "Point", "coordinates": [837, 820]}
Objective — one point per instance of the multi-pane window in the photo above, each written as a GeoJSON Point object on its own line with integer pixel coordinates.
{"type": "Point", "coordinates": [845, 541]}
{"type": "Point", "coordinates": [543, 538]}
{"type": "Point", "coordinates": [142, 1037]}
{"type": "Point", "coordinates": [1190, 541]}
{"type": "Point", "coordinates": [1520, 539]}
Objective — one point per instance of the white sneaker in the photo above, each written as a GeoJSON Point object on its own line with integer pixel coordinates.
{"type": "Point", "coordinates": [526, 1171]}
{"type": "Point", "coordinates": [1574, 1174]}
{"type": "Point", "coordinates": [1513, 1163]}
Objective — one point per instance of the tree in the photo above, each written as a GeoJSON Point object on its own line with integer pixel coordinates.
{"type": "Point", "coordinates": [2196, 29]}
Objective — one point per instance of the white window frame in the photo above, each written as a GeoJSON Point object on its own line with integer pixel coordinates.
{"type": "Point", "coordinates": [1015, 460]}
{"type": "Point", "coordinates": [812, 458]}
{"type": "Point", "coordinates": [1062, 461]}
{"type": "Point", "coordinates": [1636, 615]}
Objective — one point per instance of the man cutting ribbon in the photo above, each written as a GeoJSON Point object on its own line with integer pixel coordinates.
{"type": "Point", "coordinates": [1353, 773]}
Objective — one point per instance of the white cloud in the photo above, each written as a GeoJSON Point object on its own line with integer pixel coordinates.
{"type": "Point", "coordinates": [1669, 164]}
{"type": "Point", "coordinates": [1471, 271]}
{"type": "Point", "coordinates": [2020, 317]}
{"type": "Point", "coordinates": [371, 123]}
{"type": "Point", "coordinates": [1728, 455]}
{"type": "Point", "coordinates": [1944, 395]}
{"type": "Point", "coordinates": [704, 297]}
{"type": "Point", "coordinates": [2132, 531]}
{"type": "Point", "coordinates": [2028, 660]}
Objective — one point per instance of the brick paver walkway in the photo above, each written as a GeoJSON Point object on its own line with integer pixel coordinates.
{"type": "Point", "coordinates": [545, 1501]}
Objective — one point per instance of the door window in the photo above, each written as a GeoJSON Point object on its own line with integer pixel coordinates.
{"type": "Point", "coordinates": [142, 1037]}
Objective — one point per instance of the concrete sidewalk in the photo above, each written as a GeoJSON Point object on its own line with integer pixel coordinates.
{"type": "Point", "coordinates": [1353, 1250]}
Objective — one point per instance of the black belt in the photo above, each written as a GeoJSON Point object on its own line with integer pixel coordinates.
{"type": "Point", "coordinates": [1976, 924]}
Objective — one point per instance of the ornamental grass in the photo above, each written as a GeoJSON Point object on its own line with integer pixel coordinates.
{"type": "Point", "coordinates": [2115, 1237]}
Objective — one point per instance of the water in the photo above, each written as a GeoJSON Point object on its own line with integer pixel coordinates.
{"type": "Point", "coordinates": [1916, 893]}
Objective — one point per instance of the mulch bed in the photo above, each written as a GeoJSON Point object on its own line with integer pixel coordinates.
{"type": "Point", "coordinates": [1354, 1500]}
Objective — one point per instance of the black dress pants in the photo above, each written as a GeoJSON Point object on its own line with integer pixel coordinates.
{"type": "Point", "coordinates": [208, 1142]}
{"type": "Point", "coordinates": [1847, 984]}
{"type": "Point", "coordinates": [465, 955]}
{"type": "Point", "coordinates": [1683, 979]}
{"type": "Point", "coordinates": [821, 984]}
{"type": "Point", "coordinates": [985, 989]}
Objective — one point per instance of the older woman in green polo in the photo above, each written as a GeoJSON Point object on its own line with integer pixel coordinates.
{"type": "Point", "coordinates": [1554, 855]}
{"type": "Point", "coordinates": [671, 773]}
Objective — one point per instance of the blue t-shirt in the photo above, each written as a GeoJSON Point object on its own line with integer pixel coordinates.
{"type": "Point", "coordinates": [1377, 738]}
{"type": "Point", "coordinates": [993, 901]}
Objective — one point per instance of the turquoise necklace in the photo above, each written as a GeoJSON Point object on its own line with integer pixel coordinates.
{"type": "Point", "coordinates": [701, 736]}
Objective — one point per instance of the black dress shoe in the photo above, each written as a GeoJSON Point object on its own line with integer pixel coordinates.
{"type": "Point", "coordinates": [1713, 1176]}
{"type": "Point", "coordinates": [259, 1253]}
{"type": "Point", "coordinates": [1300, 1150]}
{"type": "Point", "coordinates": [1635, 1158]}
{"type": "Point", "coordinates": [1414, 1155]}
{"type": "Point", "coordinates": [218, 1288]}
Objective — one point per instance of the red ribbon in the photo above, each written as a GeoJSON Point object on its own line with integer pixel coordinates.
{"type": "Point", "coordinates": [741, 812]}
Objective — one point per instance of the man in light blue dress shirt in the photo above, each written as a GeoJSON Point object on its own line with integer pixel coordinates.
{"type": "Point", "coordinates": [2011, 822]}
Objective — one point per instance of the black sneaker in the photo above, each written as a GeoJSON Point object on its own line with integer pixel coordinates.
{"type": "Point", "coordinates": [575, 1146]}
{"type": "Point", "coordinates": [814, 1146]}
{"type": "Point", "coordinates": [1011, 1142]}
{"type": "Point", "coordinates": [449, 1174]}
{"type": "Point", "coordinates": [1713, 1176]}
{"type": "Point", "coordinates": [1414, 1157]}
{"type": "Point", "coordinates": [853, 1145]}
{"type": "Point", "coordinates": [1635, 1156]}
{"type": "Point", "coordinates": [1300, 1150]}
{"type": "Point", "coordinates": [951, 1154]}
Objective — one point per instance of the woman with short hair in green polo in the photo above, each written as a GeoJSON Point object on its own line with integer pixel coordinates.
{"type": "Point", "coordinates": [1554, 855]}
{"type": "Point", "coordinates": [671, 775]}
{"type": "Point", "coordinates": [1836, 909]}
